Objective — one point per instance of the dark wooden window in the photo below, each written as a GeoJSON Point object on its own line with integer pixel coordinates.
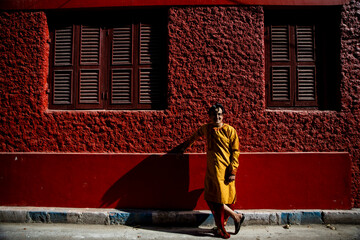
{"type": "Point", "coordinates": [109, 60]}
{"type": "Point", "coordinates": [301, 58]}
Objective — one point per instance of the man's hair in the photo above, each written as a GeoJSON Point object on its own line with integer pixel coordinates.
{"type": "Point", "coordinates": [213, 108]}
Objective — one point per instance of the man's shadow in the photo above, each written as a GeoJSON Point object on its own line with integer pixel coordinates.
{"type": "Point", "coordinates": [159, 182]}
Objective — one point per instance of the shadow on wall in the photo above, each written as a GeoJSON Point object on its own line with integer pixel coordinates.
{"type": "Point", "coordinates": [157, 182]}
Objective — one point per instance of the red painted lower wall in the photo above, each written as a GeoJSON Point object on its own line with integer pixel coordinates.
{"type": "Point", "coordinates": [169, 181]}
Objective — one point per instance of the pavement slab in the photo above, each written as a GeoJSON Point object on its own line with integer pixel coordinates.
{"type": "Point", "coordinates": [52, 231]}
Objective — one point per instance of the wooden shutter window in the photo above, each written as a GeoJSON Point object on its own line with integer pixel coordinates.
{"type": "Point", "coordinates": [122, 69]}
{"type": "Point", "coordinates": [280, 43]}
{"type": "Point", "coordinates": [305, 43]}
{"type": "Point", "coordinates": [150, 86]}
{"type": "Point", "coordinates": [292, 66]}
{"type": "Point", "coordinates": [280, 83]}
{"type": "Point", "coordinates": [122, 45]}
{"type": "Point", "coordinates": [121, 86]}
{"type": "Point", "coordinates": [306, 83]}
{"type": "Point", "coordinates": [62, 81]}
{"type": "Point", "coordinates": [62, 87]}
{"type": "Point", "coordinates": [150, 44]}
{"type": "Point", "coordinates": [63, 46]}
{"type": "Point", "coordinates": [306, 66]}
{"type": "Point", "coordinates": [89, 86]}
{"type": "Point", "coordinates": [89, 70]}
{"type": "Point", "coordinates": [90, 45]}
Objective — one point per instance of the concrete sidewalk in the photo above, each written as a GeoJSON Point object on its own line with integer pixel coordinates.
{"type": "Point", "coordinates": [172, 218]}
{"type": "Point", "coordinates": [39, 231]}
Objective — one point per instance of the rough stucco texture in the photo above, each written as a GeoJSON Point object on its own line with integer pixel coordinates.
{"type": "Point", "coordinates": [215, 54]}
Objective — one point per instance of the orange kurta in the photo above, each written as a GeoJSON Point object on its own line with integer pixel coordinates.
{"type": "Point", "coordinates": [222, 160]}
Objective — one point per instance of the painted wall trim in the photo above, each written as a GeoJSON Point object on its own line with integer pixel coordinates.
{"type": "Point", "coordinates": [73, 4]}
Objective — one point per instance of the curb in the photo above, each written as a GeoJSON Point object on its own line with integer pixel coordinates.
{"type": "Point", "coordinates": [172, 218]}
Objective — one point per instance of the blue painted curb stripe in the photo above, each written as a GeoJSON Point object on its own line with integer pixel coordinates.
{"type": "Point", "coordinates": [38, 216]}
{"type": "Point", "coordinates": [311, 218]}
{"type": "Point", "coordinates": [44, 217]}
{"type": "Point", "coordinates": [58, 217]}
{"type": "Point", "coordinates": [204, 219]}
{"type": "Point", "coordinates": [130, 218]}
{"type": "Point", "coordinates": [301, 218]}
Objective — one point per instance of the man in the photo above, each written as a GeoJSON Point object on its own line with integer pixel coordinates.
{"type": "Point", "coordinates": [222, 163]}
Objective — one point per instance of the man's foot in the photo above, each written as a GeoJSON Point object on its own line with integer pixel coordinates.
{"type": "Point", "coordinates": [226, 221]}
{"type": "Point", "coordinates": [239, 223]}
{"type": "Point", "coordinates": [220, 233]}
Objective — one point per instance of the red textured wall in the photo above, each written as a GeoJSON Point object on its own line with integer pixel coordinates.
{"type": "Point", "coordinates": [215, 54]}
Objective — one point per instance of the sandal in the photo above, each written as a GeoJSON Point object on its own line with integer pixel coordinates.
{"type": "Point", "coordinates": [238, 225]}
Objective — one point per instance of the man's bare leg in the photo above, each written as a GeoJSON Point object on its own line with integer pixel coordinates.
{"type": "Point", "coordinates": [232, 213]}
{"type": "Point", "coordinates": [238, 218]}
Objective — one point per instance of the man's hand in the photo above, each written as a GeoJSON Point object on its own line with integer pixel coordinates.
{"type": "Point", "coordinates": [179, 149]}
{"type": "Point", "coordinates": [231, 178]}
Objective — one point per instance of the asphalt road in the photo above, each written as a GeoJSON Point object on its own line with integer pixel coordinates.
{"type": "Point", "coordinates": [77, 231]}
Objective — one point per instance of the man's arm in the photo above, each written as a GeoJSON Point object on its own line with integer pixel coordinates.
{"type": "Point", "coordinates": [234, 157]}
{"type": "Point", "coordinates": [196, 135]}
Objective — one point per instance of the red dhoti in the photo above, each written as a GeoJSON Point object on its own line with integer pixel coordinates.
{"type": "Point", "coordinates": [220, 217]}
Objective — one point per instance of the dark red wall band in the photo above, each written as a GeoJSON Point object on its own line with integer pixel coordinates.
{"type": "Point", "coordinates": [165, 181]}
{"type": "Point", "coordinates": [59, 4]}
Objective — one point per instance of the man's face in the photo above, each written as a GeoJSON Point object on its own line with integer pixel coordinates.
{"type": "Point", "coordinates": [217, 116]}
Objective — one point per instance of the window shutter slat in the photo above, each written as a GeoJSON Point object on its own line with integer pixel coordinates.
{"type": "Point", "coordinates": [150, 43]}
{"type": "Point", "coordinates": [89, 86]}
{"type": "Point", "coordinates": [305, 43]}
{"type": "Point", "coordinates": [150, 86]}
{"type": "Point", "coordinates": [122, 45]}
{"type": "Point", "coordinates": [90, 45]}
{"type": "Point", "coordinates": [62, 87]}
{"type": "Point", "coordinates": [121, 86]}
{"type": "Point", "coordinates": [306, 83]}
{"type": "Point", "coordinates": [63, 46]}
{"type": "Point", "coordinates": [280, 83]}
{"type": "Point", "coordinates": [279, 43]}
